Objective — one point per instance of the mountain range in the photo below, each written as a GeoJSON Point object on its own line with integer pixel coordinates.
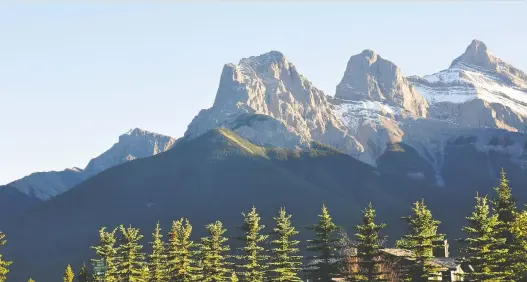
{"type": "Point", "coordinates": [271, 138]}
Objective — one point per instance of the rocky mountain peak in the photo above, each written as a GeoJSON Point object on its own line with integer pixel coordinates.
{"type": "Point", "coordinates": [476, 54]}
{"type": "Point", "coordinates": [369, 77]}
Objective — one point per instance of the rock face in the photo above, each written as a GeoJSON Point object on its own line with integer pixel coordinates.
{"type": "Point", "coordinates": [136, 143]}
{"type": "Point", "coordinates": [266, 100]}
{"type": "Point", "coordinates": [477, 90]}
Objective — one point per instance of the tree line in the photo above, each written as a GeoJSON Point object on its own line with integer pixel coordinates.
{"type": "Point", "coordinates": [494, 245]}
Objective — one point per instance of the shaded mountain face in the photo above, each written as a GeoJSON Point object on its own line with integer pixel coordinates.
{"type": "Point", "coordinates": [215, 176]}
{"type": "Point", "coordinates": [41, 186]}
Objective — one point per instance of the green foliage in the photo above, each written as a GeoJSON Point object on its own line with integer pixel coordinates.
{"type": "Point", "coordinates": [482, 241]}
{"type": "Point", "coordinates": [83, 275]}
{"type": "Point", "coordinates": [157, 264]}
{"type": "Point", "coordinates": [213, 252]}
{"type": "Point", "coordinates": [107, 253]}
{"type": "Point", "coordinates": [325, 245]}
{"type": "Point", "coordinates": [369, 244]}
{"type": "Point", "coordinates": [422, 232]}
{"type": "Point", "coordinates": [234, 278]}
{"type": "Point", "coordinates": [253, 261]}
{"type": "Point", "coordinates": [68, 274]}
{"type": "Point", "coordinates": [30, 280]}
{"type": "Point", "coordinates": [518, 253]}
{"type": "Point", "coordinates": [3, 264]}
{"type": "Point", "coordinates": [131, 260]}
{"type": "Point", "coordinates": [284, 263]}
{"type": "Point", "coordinates": [181, 262]}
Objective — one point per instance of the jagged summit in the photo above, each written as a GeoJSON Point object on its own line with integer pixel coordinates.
{"type": "Point", "coordinates": [369, 77]}
{"type": "Point", "coordinates": [265, 59]}
{"type": "Point", "coordinates": [476, 54]}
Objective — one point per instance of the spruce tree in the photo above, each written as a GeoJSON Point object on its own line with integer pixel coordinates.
{"type": "Point", "coordinates": [30, 280]}
{"type": "Point", "coordinates": [4, 265]}
{"type": "Point", "coordinates": [519, 253]}
{"type": "Point", "coordinates": [481, 241]}
{"type": "Point", "coordinates": [325, 245]}
{"type": "Point", "coordinates": [234, 278]}
{"type": "Point", "coordinates": [131, 259]}
{"type": "Point", "coordinates": [213, 251]}
{"type": "Point", "coordinates": [253, 259]}
{"type": "Point", "coordinates": [504, 205]}
{"type": "Point", "coordinates": [83, 275]}
{"type": "Point", "coordinates": [422, 232]}
{"type": "Point", "coordinates": [369, 245]}
{"type": "Point", "coordinates": [284, 263]}
{"type": "Point", "coordinates": [107, 253]}
{"type": "Point", "coordinates": [68, 274]}
{"type": "Point", "coordinates": [181, 254]}
{"type": "Point", "coordinates": [157, 265]}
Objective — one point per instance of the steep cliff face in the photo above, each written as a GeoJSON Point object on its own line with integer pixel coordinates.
{"type": "Point", "coordinates": [266, 100]}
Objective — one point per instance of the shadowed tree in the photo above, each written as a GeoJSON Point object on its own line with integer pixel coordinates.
{"type": "Point", "coordinates": [422, 232]}
{"type": "Point", "coordinates": [83, 275]}
{"type": "Point", "coordinates": [107, 253]}
{"type": "Point", "coordinates": [253, 260]}
{"type": "Point", "coordinates": [481, 241]}
{"type": "Point", "coordinates": [284, 263]}
{"type": "Point", "coordinates": [325, 245]}
{"type": "Point", "coordinates": [4, 265]}
{"type": "Point", "coordinates": [368, 245]}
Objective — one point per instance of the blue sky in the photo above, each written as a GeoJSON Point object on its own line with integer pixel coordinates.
{"type": "Point", "coordinates": [74, 76]}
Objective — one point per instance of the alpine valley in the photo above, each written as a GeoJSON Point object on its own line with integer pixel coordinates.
{"type": "Point", "coordinates": [270, 136]}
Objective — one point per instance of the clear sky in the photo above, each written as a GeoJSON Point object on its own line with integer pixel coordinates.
{"type": "Point", "coordinates": [74, 76]}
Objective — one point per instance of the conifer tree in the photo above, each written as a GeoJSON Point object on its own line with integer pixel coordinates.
{"type": "Point", "coordinates": [325, 245]}
{"type": "Point", "coordinates": [107, 253]}
{"type": "Point", "coordinates": [234, 278]}
{"type": "Point", "coordinates": [181, 253]}
{"type": "Point", "coordinates": [284, 263]}
{"type": "Point", "coordinates": [504, 205]}
{"type": "Point", "coordinates": [30, 280]}
{"type": "Point", "coordinates": [157, 265]}
{"type": "Point", "coordinates": [482, 239]}
{"type": "Point", "coordinates": [253, 260]}
{"type": "Point", "coordinates": [369, 244]}
{"type": "Point", "coordinates": [3, 264]}
{"type": "Point", "coordinates": [83, 275]}
{"type": "Point", "coordinates": [420, 238]}
{"type": "Point", "coordinates": [131, 259]}
{"type": "Point", "coordinates": [519, 253]}
{"type": "Point", "coordinates": [213, 251]}
{"type": "Point", "coordinates": [68, 274]}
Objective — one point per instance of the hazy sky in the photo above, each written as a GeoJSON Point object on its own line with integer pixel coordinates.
{"type": "Point", "coordinates": [73, 76]}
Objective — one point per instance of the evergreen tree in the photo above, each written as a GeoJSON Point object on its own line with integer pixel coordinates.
{"type": "Point", "coordinates": [420, 238]}
{"type": "Point", "coordinates": [369, 246]}
{"type": "Point", "coordinates": [234, 278]}
{"type": "Point", "coordinates": [325, 245]}
{"type": "Point", "coordinates": [158, 262]}
{"type": "Point", "coordinates": [68, 274]}
{"type": "Point", "coordinates": [181, 254]}
{"type": "Point", "coordinates": [213, 249]}
{"type": "Point", "coordinates": [30, 280]}
{"type": "Point", "coordinates": [284, 263]}
{"type": "Point", "coordinates": [131, 259]}
{"type": "Point", "coordinates": [3, 264]}
{"type": "Point", "coordinates": [519, 241]}
{"type": "Point", "coordinates": [504, 205]}
{"type": "Point", "coordinates": [482, 239]}
{"type": "Point", "coordinates": [83, 275]}
{"type": "Point", "coordinates": [253, 260]}
{"type": "Point", "coordinates": [107, 253]}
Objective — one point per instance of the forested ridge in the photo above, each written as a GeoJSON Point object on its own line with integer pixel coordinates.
{"type": "Point", "coordinates": [494, 246]}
